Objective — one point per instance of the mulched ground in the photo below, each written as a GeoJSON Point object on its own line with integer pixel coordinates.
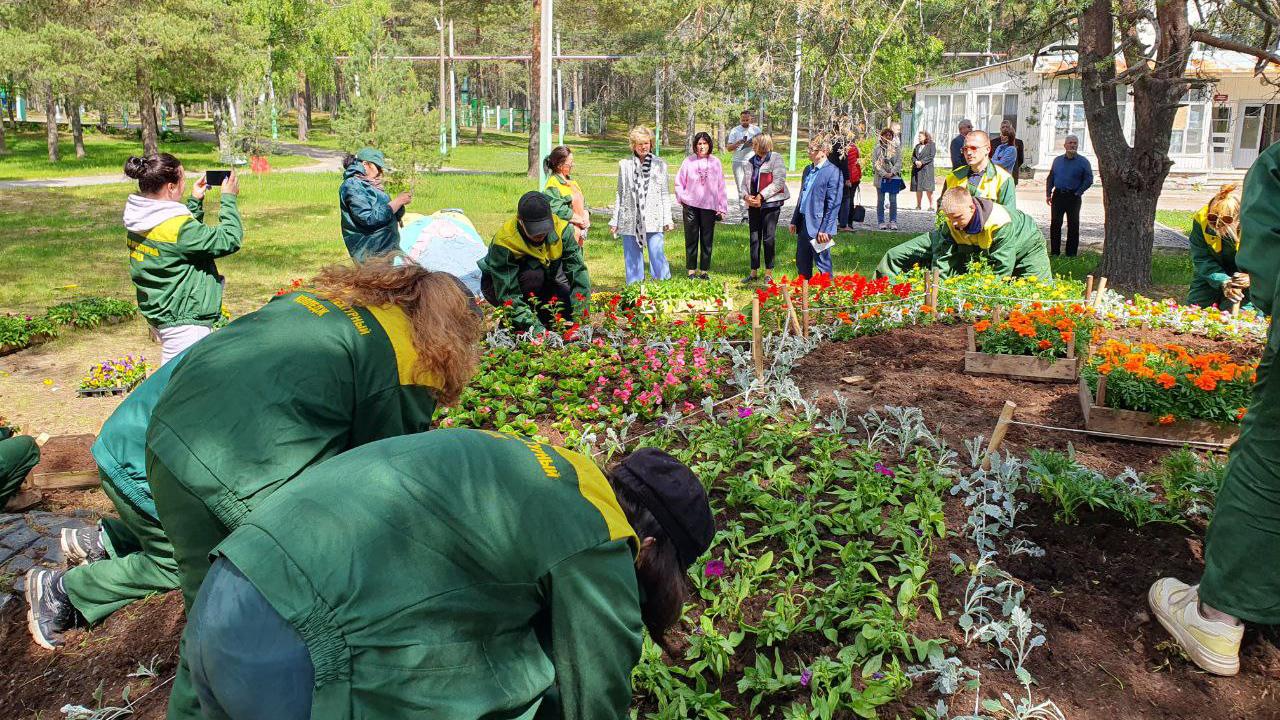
{"type": "Point", "coordinates": [1106, 658]}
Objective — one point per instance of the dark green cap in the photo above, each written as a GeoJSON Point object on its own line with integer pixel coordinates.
{"type": "Point", "coordinates": [374, 156]}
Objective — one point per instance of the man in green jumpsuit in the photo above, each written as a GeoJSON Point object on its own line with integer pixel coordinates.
{"type": "Point", "coordinates": [1241, 580]}
{"type": "Point", "coordinates": [1214, 241]}
{"type": "Point", "coordinates": [973, 227]}
{"type": "Point", "coordinates": [474, 576]}
{"type": "Point", "coordinates": [18, 454]}
{"type": "Point", "coordinates": [304, 378]}
{"type": "Point", "coordinates": [980, 176]}
{"type": "Point", "coordinates": [534, 256]}
{"type": "Point", "coordinates": [125, 559]}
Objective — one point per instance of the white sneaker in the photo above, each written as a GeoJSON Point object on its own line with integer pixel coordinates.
{"type": "Point", "coordinates": [883, 226]}
{"type": "Point", "coordinates": [893, 226]}
{"type": "Point", "coordinates": [1213, 645]}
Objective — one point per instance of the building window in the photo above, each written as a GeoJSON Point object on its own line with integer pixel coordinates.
{"type": "Point", "coordinates": [1188, 128]}
{"type": "Point", "coordinates": [994, 109]}
{"type": "Point", "coordinates": [935, 115]}
{"type": "Point", "coordinates": [1069, 115]}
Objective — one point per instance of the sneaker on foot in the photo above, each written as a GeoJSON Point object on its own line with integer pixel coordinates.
{"type": "Point", "coordinates": [83, 545]}
{"type": "Point", "coordinates": [893, 226]}
{"type": "Point", "coordinates": [749, 280]}
{"type": "Point", "coordinates": [884, 226]}
{"type": "Point", "coordinates": [1213, 645]}
{"type": "Point", "coordinates": [49, 609]}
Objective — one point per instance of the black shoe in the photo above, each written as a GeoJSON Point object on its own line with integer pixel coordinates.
{"type": "Point", "coordinates": [750, 280]}
{"type": "Point", "coordinates": [49, 609]}
{"type": "Point", "coordinates": [81, 546]}
{"type": "Point", "coordinates": [704, 276]}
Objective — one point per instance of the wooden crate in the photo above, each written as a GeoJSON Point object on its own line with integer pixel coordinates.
{"type": "Point", "coordinates": [1021, 367]}
{"type": "Point", "coordinates": [122, 390]}
{"type": "Point", "coordinates": [1143, 425]}
{"type": "Point", "coordinates": [66, 463]}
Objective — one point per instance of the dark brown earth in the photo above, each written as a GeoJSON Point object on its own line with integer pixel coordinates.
{"type": "Point", "coordinates": [1105, 658]}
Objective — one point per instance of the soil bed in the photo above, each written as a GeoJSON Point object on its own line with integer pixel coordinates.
{"type": "Point", "coordinates": [1105, 658]}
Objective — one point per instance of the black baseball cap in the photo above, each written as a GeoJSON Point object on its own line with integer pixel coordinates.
{"type": "Point", "coordinates": [534, 211]}
{"type": "Point", "coordinates": [673, 495]}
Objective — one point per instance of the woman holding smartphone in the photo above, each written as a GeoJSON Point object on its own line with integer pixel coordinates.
{"type": "Point", "coordinates": [173, 253]}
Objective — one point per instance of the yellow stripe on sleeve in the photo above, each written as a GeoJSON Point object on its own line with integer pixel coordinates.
{"type": "Point", "coordinates": [396, 325]}
{"type": "Point", "coordinates": [596, 490]}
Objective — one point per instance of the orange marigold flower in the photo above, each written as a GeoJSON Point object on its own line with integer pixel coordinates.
{"type": "Point", "coordinates": [1067, 336]}
{"type": "Point", "coordinates": [1165, 420]}
{"type": "Point", "coordinates": [1206, 383]}
{"type": "Point", "coordinates": [844, 318]}
{"type": "Point", "coordinates": [1044, 344]}
{"type": "Point", "coordinates": [1104, 368]}
{"type": "Point", "coordinates": [1166, 381]}
{"type": "Point", "coordinates": [1240, 413]}
{"type": "Point", "coordinates": [926, 308]}
{"type": "Point", "coordinates": [982, 325]}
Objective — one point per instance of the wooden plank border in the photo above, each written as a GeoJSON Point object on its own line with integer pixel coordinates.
{"type": "Point", "coordinates": [1143, 425]}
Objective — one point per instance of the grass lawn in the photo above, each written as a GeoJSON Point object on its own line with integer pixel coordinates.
{"type": "Point", "coordinates": [67, 242]}
{"type": "Point", "coordinates": [1179, 220]}
{"type": "Point", "coordinates": [28, 157]}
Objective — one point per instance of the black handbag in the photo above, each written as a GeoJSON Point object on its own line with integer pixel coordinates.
{"type": "Point", "coordinates": [859, 213]}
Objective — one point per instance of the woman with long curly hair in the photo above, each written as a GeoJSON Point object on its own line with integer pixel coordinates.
{"type": "Point", "coordinates": [368, 353]}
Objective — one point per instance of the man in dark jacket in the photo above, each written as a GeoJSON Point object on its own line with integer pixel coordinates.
{"type": "Point", "coordinates": [816, 215]}
{"type": "Point", "coordinates": [370, 217]}
{"type": "Point", "coordinates": [535, 254]}
{"type": "Point", "coordinates": [957, 144]}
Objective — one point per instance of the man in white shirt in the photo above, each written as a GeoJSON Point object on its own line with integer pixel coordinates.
{"type": "Point", "coordinates": [739, 143]}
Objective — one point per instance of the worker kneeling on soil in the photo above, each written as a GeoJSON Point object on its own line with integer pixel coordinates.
{"type": "Point", "coordinates": [535, 258]}
{"type": "Point", "coordinates": [18, 454]}
{"type": "Point", "coordinates": [474, 575]}
{"type": "Point", "coordinates": [119, 560]}
{"type": "Point", "coordinates": [1241, 580]}
{"type": "Point", "coordinates": [1215, 233]}
{"type": "Point", "coordinates": [369, 354]}
{"type": "Point", "coordinates": [970, 228]}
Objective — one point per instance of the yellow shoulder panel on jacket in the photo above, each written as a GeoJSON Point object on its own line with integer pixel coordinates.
{"type": "Point", "coordinates": [596, 490]}
{"type": "Point", "coordinates": [395, 324]}
{"type": "Point", "coordinates": [167, 231]}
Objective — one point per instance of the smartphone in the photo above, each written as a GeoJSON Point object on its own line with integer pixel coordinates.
{"type": "Point", "coordinates": [216, 177]}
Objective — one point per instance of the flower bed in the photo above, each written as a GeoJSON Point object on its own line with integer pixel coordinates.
{"type": "Point", "coordinates": [1167, 391]}
{"type": "Point", "coordinates": [585, 382]}
{"type": "Point", "coordinates": [23, 331]}
{"type": "Point", "coordinates": [1168, 314]}
{"type": "Point", "coordinates": [114, 377]}
{"type": "Point", "coordinates": [92, 312]}
{"type": "Point", "coordinates": [1029, 345]}
{"type": "Point", "coordinates": [676, 296]}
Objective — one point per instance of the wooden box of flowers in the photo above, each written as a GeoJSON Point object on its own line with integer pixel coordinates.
{"type": "Point", "coordinates": [1040, 344]}
{"type": "Point", "coordinates": [1163, 393]}
{"type": "Point", "coordinates": [113, 377]}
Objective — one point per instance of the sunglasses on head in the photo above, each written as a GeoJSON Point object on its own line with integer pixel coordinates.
{"type": "Point", "coordinates": [1215, 219]}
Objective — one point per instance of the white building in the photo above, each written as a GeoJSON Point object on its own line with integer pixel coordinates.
{"type": "Point", "coordinates": [1218, 132]}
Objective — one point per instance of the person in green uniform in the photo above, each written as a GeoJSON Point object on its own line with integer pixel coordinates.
{"type": "Point", "coordinates": [564, 193]}
{"type": "Point", "coordinates": [368, 354]}
{"type": "Point", "coordinates": [982, 177]}
{"type": "Point", "coordinates": [1241, 581]}
{"type": "Point", "coordinates": [370, 217]}
{"type": "Point", "coordinates": [122, 560]}
{"type": "Point", "coordinates": [973, 227]}
{"type": "Point", "coordinates": [515, 580]}
{"type": "Point", "coordinates": [172, 252]}
{"type": "Point", "coordinates": [1215, 233]}
{"type": "Point", "coordinates": [534, 256]}
{"type": "Point", "coordinates": [18, 454]}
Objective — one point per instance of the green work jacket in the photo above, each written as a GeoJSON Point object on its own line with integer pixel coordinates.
{"type": "Point", "coordinates": [996, 184]}
{"type": "Point", "coordinates": [280, 389]}
{"type": "Point", "coordinates": [174, 268]}
{"type": "Point", "coordinates": [1259, 253]}
{"type": "Point", "coordinates": [1010, 242]}
{"type": "Point", "coordinates": [510, 255]}
{"type": "Point", "coordinates": [120, 449]}
{"type": "Point", "coordinates": [471, 576]}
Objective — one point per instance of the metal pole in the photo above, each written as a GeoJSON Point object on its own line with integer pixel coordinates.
{"type": "Point", "coordinates": [444, 118]}
{"type": "Point", "coordinates": [453, 94]}
{"type": "Point", "coordinates": [544, 96]}
{"type": "Point", "coordinates": [559, 95]}
{"type": "Point", "coordinates": [657, 111]}
{"type": "Point", "coordinates": [795, 103]}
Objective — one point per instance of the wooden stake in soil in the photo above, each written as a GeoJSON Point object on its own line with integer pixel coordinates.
{"type": "Point", "coordinates": [1088, 288]}
{"type": "Point", "coordinates": [804, 308]}
{"type": "Point", "coordinates": [997, 314]}
{"type": "Point", "coordinates": [973, 341]}
{"type": "Point", "coordinates": [997, 435]}
{"type": "Point", "coordinates": [1100, 397]}
{"type": "Point", "coordinates": [794, 324]}
{"type": "Point", "coordinates": [1102, 288]}
{"type": "Point", "coordinates": [934, 278]}
{"type": "Point", "coordinates": [757, 348]}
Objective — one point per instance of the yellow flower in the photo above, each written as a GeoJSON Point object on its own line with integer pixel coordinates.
{"type": "Point", "coordinates": [47, 381]}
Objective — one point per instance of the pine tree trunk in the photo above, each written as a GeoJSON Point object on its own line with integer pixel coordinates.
{"type": "Point", "coordinates": [307, 100]}
{"type": "Point", "coordinates": [4, 145]}
{"type": "Point", "coordinates": [77, 129]}
{"type": "Point", "coordinates": [690, 128]}
{"type": "Point", "coordinates": [1130, 216]}
{"type": "Point", "coordinates": [51, 122]}
{"type": "Point", "coordinates": [220, 129]}
{"type": "Point", "coordinates": [577, 102]}
{"type": "Point", "coordinates": [182, 117]}
{"type": "Point", "coordinates": [300, 108]}
{"type": "Point", "coordinates": [147, 110]}
{"type": "Point", "coordinates": [535, 87]}
{"type": "Point", "coordinates": [103, 120]}
{"type": "Point", "coordinates": [335, 105]}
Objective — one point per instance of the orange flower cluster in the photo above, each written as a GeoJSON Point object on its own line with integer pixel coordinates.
{"type": "Point", "coordinates": [1038, 330]}
{"type": "Point", "coordinates": [1204, 371]}
{"type": "Point", "coordinates": [1171, 383]}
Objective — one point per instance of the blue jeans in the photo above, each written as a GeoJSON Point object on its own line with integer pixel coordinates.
{"type": "Point", "coordinates": [893, 205]}
{"type": "Point", "coordinates": [806, 258]}
{"type": "Point", "coordinates": [246, 661]}
{"type": "Point", "coordinates": [633, 258]}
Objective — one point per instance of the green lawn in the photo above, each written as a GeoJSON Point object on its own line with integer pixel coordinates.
{"type": "Point", "coordinates": [28, 157]}
{"type": "Point", "coordinates": [67, 242]}
{"type": "Point", "coordinates": [1179, 220]}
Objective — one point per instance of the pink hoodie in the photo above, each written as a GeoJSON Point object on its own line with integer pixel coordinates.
{"type": "Point", "coordinates": [700, 184]}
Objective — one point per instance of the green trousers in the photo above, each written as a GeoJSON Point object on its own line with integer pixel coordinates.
{"type": "Point", "coordinates": [1242, 552]}
{"type": "Point", "coordinates": [194, 531]}
{"type": "Point", "coordinates": [140, 562]}
{"type": "Point", "coordinates": [18, 455]}
{"type": "Point", "coordinates": [1016, 257]}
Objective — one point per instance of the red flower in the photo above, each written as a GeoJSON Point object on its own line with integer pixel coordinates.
{"type": "Point", "coordinates": [259, 164]}
{"type": "Point", "coordinates": [508, 303]}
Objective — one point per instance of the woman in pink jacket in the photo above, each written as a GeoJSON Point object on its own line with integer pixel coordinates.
{"type": "Point", "coordinates": [700, 191]}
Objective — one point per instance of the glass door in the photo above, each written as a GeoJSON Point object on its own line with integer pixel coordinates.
{"type": "Point", "coordinates": [1220, 136]}
{"type": "Point", "coordinates": [1247, 147]}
